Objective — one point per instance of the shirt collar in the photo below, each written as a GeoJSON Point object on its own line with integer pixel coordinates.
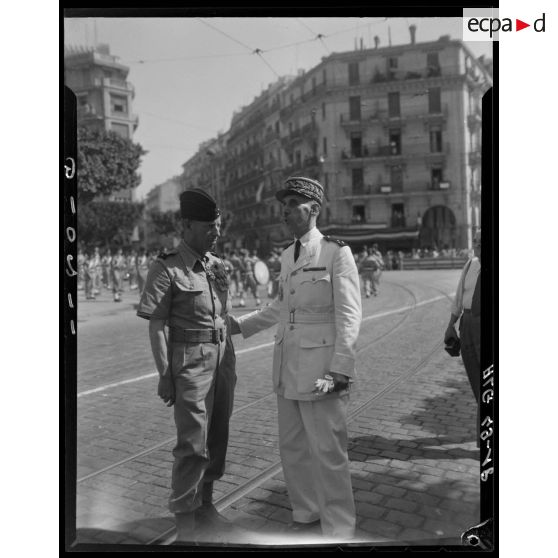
{"type": "Point", "coordinates": [190, 256]}
{"type": "Point", "coordinates": [312, 234]}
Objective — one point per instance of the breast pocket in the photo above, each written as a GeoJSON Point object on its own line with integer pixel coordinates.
{"type": "Point", "coordinates": [315, 288]}
{"type": "Point", "coordinates": [188, 295]}
{"type": "Point", "coordinates": [315, 353]}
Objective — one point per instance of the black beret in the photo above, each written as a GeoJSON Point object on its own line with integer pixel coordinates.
{"type": "Point", "coordinates": [198, 205]}
{"type": "Point", "coordinates": [307, 187]}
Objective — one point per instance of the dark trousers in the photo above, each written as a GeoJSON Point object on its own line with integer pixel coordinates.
{"type": "Point", "coordinates": [469, 332]}
{"type": "Point", "coordinates": [203, 406]}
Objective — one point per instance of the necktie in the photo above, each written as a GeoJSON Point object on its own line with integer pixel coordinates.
{"type": "Point", "coordinates": [476, 302]}
{"type": "Point", "coordinates": [297, 250]}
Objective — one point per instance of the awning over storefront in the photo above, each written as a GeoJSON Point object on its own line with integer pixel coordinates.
{"type": "Point", "coordinates": [352, 234]}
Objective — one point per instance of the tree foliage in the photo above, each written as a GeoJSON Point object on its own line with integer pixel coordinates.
{"type": "Point", "coordinates": [108, 223]}
{"type": "Point", "coordinates": [107, 163]}
{"type": "Point", "coordinates": [167, 222]}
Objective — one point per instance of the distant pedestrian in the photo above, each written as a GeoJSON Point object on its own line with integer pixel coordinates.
{"type": "Point", "coordinates": [142, 268]}
{"type": "Point", "coordinates": [118, 269]}
{"type": "Point", "coordinates": [89, 275]}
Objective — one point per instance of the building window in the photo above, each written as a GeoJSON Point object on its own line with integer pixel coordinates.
{"type": "Point", "coordinates": [432, 64]}
{"type": "Point", "coordinates": [121, 129]}
{"type": "Point", "coordinates": [354, 108]}
{"type": "Point", "coordinates": [356, 144]}
{"type": "Point", "coordinates": [325, 146]}
{"type": "Point", "coordinates": [313, 86]}
{"type": "Point", "coordinates": [398, 215]}
{"type": "Point", "coordinates": [354, 77]}
{"type": "Point", "coordinates": [396, 177]}
{"type": "Point", "coordinates": [118, 104]}
{"type": "Point", "coordinates": [323, 111]}
{"type": "Point", "coordinates": [434, 100]}
{"type": "Point", "coordinates": [358, 181]}
{"type": "Point", "coordinates": [394, 108]}
{"type": "Point", "coordinates": [395, 142]}
{"type": "Point", "coordinates": [324, 77]}
{"type": "Point", "coordinates": [391, 67]}
{"type": "Point", "coordinates": [435, 140]}
{"type": "Point", "coordinates": [359, 213]}
{"type": "Point", "coordinates": [436, 177]}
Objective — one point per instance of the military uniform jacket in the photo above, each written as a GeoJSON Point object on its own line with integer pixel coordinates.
{"type": "Point", "coordinates": [190, 293]}
{"type": "Point", "coordinates": [318, 311]}
{"type": "Point", "coordinates": [185, 291]}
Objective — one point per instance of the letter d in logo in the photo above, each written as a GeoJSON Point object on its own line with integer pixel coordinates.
{"type": "Point", "coordinates": [541, 30]}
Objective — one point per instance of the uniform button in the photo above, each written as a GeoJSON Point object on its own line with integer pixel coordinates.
{"type": "Point", "coordinates": [291, 327]}
{"type": "Point", "coordinates": [292, 291]}
{"type": "Point", "coordinates": [323, 341]}
{"type": "Point", "coordinates": [294, 272]}
{"type": "Point", "coordinates": [313, 278]}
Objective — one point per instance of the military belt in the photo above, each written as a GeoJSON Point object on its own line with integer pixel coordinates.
{"type": "Point", "coordinates": [178, 335]}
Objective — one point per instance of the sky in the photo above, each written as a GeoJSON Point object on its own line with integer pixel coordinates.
{"type": "Point", "coordinates": [191, 74]}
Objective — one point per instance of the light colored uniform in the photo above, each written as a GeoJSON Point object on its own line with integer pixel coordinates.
{"type": "Point", "coordinates": [318, 311]}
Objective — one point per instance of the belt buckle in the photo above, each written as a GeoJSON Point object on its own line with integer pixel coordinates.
{"type": "Point", "coordinates": [214, 338]}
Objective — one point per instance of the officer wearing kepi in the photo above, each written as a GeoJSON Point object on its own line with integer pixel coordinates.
{"type": "Point", "coordinates": [318, 311]}
{"type": "Point", "coordinates": [187, 290]}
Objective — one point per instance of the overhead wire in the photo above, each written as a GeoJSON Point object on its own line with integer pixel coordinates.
{"type": "Point", "coordinates": [256, 51]}
{"type": "Point", "coordinates": [259, 52]}
{"type": "Point", "coordinates": [317, 36]}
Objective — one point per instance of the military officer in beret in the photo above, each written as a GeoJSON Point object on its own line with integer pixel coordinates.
{"type": "Point", "coordinates": [187, 291]}
{"type": "Point", "coordinates": [318, 311]}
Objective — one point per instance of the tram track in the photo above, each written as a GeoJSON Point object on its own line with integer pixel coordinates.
{"type": "Point", "coordinates": [258, 480]}
{"type": "Point", "coordinates": [407, 311]}
{"type": "Point", "coordinates": [263, 476]}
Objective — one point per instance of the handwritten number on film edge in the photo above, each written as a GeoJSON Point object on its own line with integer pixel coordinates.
{"type": "Point", "coordinates": [487, 397]}
{"type": "Point", "coordinates": [69, 173]}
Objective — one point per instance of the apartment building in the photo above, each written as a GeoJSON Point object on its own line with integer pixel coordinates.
{"type": "Point", "coordinates": [393, 133]}
{"type": "Point", "coordinates": [104, 96]}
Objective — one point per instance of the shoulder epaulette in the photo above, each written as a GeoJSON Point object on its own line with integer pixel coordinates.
{"type": "Point", "coordinates": [337, 241]}
{"type": "Point", "coordinates": [165, 255]}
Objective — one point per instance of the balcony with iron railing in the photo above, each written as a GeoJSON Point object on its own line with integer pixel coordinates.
{"type": "Point", "coordinates": [383, 117]}
{"type": "Point", "coordinates": [271, 136]}
{"type": "Point", "coordinates": [308, 164]}
{"type": "Point", "coordinates": [405, 74]}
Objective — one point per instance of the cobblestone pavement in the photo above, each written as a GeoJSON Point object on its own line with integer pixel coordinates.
{"type": "Point", "coordinates": [414, 461]}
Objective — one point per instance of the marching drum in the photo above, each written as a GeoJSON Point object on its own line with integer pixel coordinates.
{"type": "Point", "coordinates": [261, 273]}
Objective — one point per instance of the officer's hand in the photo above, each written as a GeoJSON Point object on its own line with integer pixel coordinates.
{"type": "Point", "coordinates": [450, 334]}
{"type": "Point", "coordinates": [340, 381]}
{"type": "Point", "coordinates": [165, 390]}
{"type": "Point", "coordinates": [234, 327]}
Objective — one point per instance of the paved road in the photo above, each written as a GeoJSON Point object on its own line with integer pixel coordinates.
{"type": "Point", "coordinates": [414, 460]}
